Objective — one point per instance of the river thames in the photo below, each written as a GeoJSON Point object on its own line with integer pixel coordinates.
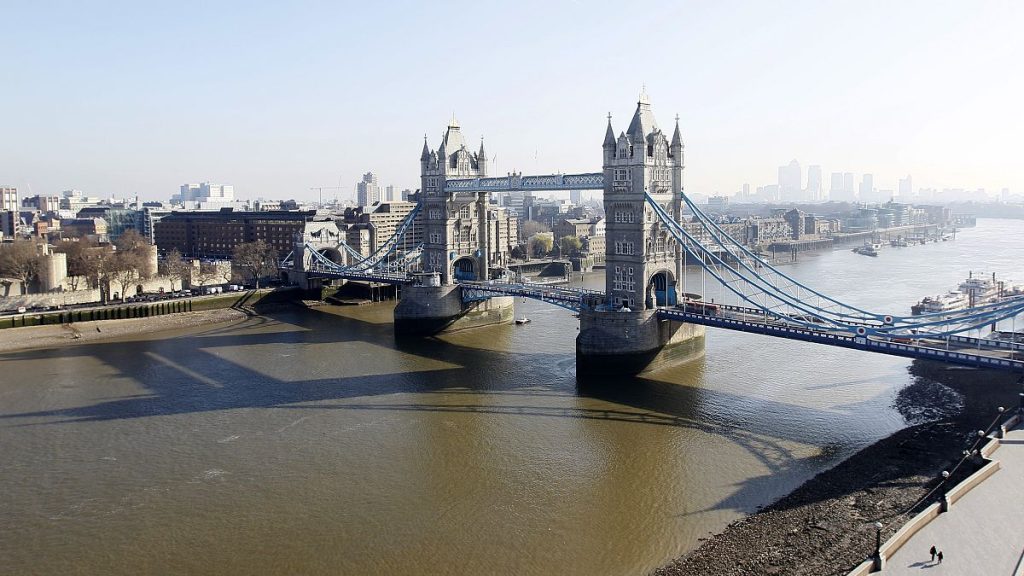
{"type": "Point", "coordinates": [311, 441]}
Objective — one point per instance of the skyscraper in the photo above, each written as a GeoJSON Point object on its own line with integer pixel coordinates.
{"type": "Point", "coordinates": [389, 193]}
{"type": "Point", "coordinates": [368, 191]}
{"type": "Point", "coordinates": [867, 188]}
{"type": "Point", "coordinates": [835, 189]}
{"type": "Point", "coordinates": [814, 183]}
{"type": "Point", "coordinates": [790, 181]}
{"type": "Point", "coordinates": [906, 188]}
{"type": "Point", "coordinates": [849, 192]}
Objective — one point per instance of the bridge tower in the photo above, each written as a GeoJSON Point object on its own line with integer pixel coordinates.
{"type": "Point", "coordinates": [455, 227]}
{"type": "Point", "coordinates": [457, 243]}
{"type": "Point", "coordinates": [643, 262]}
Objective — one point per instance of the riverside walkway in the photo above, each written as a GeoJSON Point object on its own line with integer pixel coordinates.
{"type": "Point", "coordinates": [982, 533]}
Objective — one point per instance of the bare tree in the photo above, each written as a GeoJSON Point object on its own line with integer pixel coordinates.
{"type": "Point", "coordinates": [532, 227]}
{"type": "Point", "coordinates": [122, 269]}
{"type": "Point", "coordinates": [83, 259]}
{"type": "Point", "coordinates": [131, 242]}
{"type": "Point", "coordinates": [256, 259]}
{"type": "Point", "coordinates": [175, 267]}
{"type": "Point", "coordinates": [20, 259]}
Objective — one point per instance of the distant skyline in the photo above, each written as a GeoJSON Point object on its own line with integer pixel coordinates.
{"type": "Point", "coordinates": [134, 98]}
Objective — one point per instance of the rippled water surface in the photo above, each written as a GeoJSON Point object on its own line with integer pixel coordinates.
{"type": "Point", "coordinates": [314, 442]}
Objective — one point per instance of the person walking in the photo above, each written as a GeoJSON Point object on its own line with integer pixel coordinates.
{"type": "Point", "coordinates": [940, 556]}
{"type": "Point", "coordinates": [932, 552]}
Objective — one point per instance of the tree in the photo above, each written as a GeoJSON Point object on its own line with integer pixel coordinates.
{"type": "Point", "coordinates": [175, 267]}
{"type": "Point", "coordinates": [570, 245]}
{"type": "Point", "coordinates": [532, 227]}
{"type": "Point", "coordinates": [122, 269]}
{"type": "Point", "coordinates": [83, 259]}
{"type": "Point", "coordinates": [255, 259]}
{"type": "Point", "coordinates": [20, 259]}
{"type": "Point", "coordinates": [131, 242]}
{"type": "Point", "coordinates": [540, 244]}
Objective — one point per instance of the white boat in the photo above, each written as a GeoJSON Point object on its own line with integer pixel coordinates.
{"type": "Point", "coordinates": [974, 291]}
{"type": "Point", "coordinates": [949, 302]}
{"type": "Point", "coordinates": [980, 290]}
{"type": "Point", "coordinates": [522, 320]}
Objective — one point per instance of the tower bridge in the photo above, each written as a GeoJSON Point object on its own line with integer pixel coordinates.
{"type": "Point", "coordinates": [458, 278]}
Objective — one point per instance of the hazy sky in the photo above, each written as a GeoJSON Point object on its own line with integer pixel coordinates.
{"type": "Point", "coordinates": [140, 97]}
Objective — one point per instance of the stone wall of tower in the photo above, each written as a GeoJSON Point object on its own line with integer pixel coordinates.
{"type": "Point", "coordinates": [638, 245]}
{"type": "Point", "coordinates": [451, 222]}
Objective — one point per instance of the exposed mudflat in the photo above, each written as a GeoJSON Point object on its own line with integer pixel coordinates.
{"type": "Point", "coordinates": [825, 526]}
{"type": "Point", "coordinates": [54, 335]}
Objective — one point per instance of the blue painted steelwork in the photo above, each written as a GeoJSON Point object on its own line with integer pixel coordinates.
{"type": "Point", "coordinates": [894, 347]}
{"type": "Point", "coordinates": [569, 298]}
{"type": "Point", "coordinates": [784, 314]}
{"type": "Point", "coordinates": [795, 311]}
{"type": "Point", "coordinates": [518, 182]}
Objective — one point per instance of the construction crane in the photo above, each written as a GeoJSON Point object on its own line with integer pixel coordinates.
{"type": "Point", "coordinates": [320, 191]}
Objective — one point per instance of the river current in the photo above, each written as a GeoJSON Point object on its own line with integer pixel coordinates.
{"type": "Point", "coordinates": [311, 441]}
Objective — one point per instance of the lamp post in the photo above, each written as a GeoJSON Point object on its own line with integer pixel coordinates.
{"type": "Point", "coordinates": [878, 546]}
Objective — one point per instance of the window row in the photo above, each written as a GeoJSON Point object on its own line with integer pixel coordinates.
{"type": "Point", "coordinates": [624, 247]}
{"type": "Point", "coordinates": [624, 216]}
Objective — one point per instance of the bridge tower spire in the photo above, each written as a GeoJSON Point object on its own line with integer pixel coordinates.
{"type": "Point", "coordinates": [455, 227]}
{"type": "Point", "coordinates": [643, 265]}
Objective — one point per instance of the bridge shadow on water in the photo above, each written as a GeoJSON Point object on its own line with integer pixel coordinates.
{"type": "Point", "coordinates": [191, 373]}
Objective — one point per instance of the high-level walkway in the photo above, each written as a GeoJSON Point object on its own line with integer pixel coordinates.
{"type": "Point", "coordinates": [983, 533]}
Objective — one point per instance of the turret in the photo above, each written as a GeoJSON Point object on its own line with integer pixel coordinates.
{"type": "Point", "coordinates": [609, 142]}
{"type": "Point", "coordinates": [424, 156]}
{"type": "Point", "coordinates": [676, 148]}
{"type": "Point", "coordinates": [481, 159]}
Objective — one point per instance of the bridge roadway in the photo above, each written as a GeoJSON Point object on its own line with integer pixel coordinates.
{"type": "Point", "coordinates": [977, 352]}
{"type": "Point", "coordinates": [568, 298]}
{"type": "Point", "coordinates": [369, 275]}
{"type": "Point", "coordinates": [964, 350]}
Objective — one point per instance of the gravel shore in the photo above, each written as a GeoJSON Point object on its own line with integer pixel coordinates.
{"type": "Point", "coordinates": [825, 526]}
{"type": "Point", "coordinates": [52, 336]}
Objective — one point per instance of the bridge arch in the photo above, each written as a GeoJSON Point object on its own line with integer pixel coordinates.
{"type": "Point", "coordinates": [464, 268]}
{"type": "Point", "coordinates": [661, 289]}
{"type": "Point", "coordinates": [333, 254]}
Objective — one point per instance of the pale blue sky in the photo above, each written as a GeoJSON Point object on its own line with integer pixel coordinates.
{"type": "Point", "coordinates": [134, 97]}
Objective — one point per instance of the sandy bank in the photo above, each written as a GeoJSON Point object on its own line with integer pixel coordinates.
{"type": "Point", "coordinates": [52, 336]}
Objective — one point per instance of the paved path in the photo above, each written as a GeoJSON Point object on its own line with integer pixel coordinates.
{"type": "Point", "coordinates": [983, 533]}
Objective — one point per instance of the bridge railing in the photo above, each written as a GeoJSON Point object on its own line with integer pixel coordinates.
{"type": "Point", "coordinates": [517, 182]}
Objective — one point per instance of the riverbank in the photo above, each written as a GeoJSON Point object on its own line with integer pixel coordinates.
{"type": "Point", "coordinates": [824, 526]}
{"type": "Point", "coordinates": [52, 336]}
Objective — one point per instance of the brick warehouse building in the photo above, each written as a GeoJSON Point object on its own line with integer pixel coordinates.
{"type": "Point", "coordinates": [215, 234]}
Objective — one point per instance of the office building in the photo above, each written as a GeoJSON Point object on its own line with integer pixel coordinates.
{"type": "Point", "coordinates": [867, 188]}
{"type": "Point", "coordinates": [906, 188]}
{"type": "Point", "coordinates": [9, 199]}
{"type": "Point", "coordinates": [814, 191]}
{"type": "Point", "coordinates": [368, 191]}
{"type": "Point", "coordinates": [790, 181]}
{"type": "Point", "coordinates": [205, 196]}
{"type": "Point", "coordinates": [215, 234]}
